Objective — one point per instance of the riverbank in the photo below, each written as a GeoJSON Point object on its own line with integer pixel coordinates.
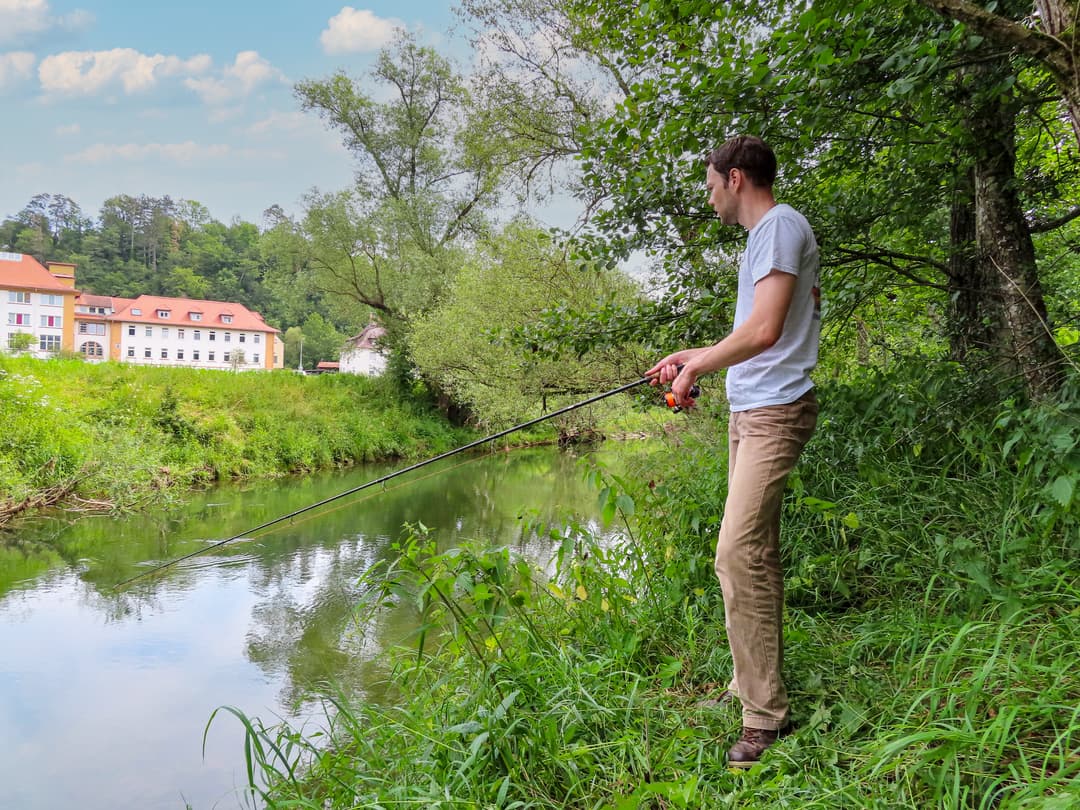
{"type": "Point", "coordinates": [117, 436]}
{"type": "Point", "coordinates": [933, 602]}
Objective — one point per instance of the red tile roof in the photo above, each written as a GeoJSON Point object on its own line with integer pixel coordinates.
{"type": "Point", "coordinates": [91, 300]}
{"type": "Point", "coordinates": [180, 310]}
{"type": "Point", "coordinates": [19, 271]}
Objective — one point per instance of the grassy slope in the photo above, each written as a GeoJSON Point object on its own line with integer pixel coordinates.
{"type": "Point", "coordinates": [122, 434]}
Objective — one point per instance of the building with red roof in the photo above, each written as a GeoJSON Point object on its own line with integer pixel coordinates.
{"type": "Point", "coordinates": [36, 301]}
{"type": "Point", "coordinates": [148, 330]}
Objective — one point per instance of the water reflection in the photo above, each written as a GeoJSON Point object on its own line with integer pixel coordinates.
{"type": "Point", "coordinates": [104, 695]}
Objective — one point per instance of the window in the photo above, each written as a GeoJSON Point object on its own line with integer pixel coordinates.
{"type": "Point", "coordinates": [18, 297]}
{"type": "Point", "coordinates": [226, 318]}
{"type": "Point", "coordinates": [195, 355]}
{"type": "Point", "coordinates": [164, 354]}
{"type": "Point", "coordinates": [131, 351]}
{"type": "Point", "coordinates": [255, 338]}
{"type": "Point", "coordinates": [146, 352]}
{"type": "Point", "coordinates": [136, 311]}
{"type": "Point", "coordinates": [164, 313]}
{"type": "Point", "coordinates": [91, 328]}
{"type": "Point", "coordinates": [98, 311]}
{"type": "Point", "coordinates": [164, 331]}
{"type": "Point", "coordinates": [255, 359]}
{"type": "Point", "coordinates": [149, 331]}
{"type": "Point", "coordinates": [243, 337]}
{"type": "Point", "coordinates": [198, 335]}
{"type": "Point", "coordinates": [19, 318]}
{"type": "Point", "coordinates": [226, 357]}
{"type": "Point", "coordinates": [52, 300]}
{"type": "Point", "coordinates": [195, 316]}
{"type": "Point", "coordinates": [11, 340]}
{"type": "Point", "coordinates": [179, 354]}
{"type": "Point", "coordinates": [92, 349]}
{"type": "Point", "coordinates": [228, 337]}
{"type": "Point", "coordinates": [213, 335]}
{"type": "Point", "coordinates": [49, 343]}
{"type": "Point", "coordinates": [180, 334]}
{"type": "Point", "coordinates": [51, 321]}
{"type": "Point", "coordinates": [210, 357]}
{"type": "Point", "coordinates": [131, 331]}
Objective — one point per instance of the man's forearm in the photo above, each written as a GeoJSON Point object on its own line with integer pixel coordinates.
{"type": "Point", "coordinates": [745, 342]}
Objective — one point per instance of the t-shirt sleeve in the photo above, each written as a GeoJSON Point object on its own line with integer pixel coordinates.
{"type": "Point", "coordinates": [778, 246]}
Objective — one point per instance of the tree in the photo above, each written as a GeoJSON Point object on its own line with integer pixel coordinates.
{"type": "Point", "coordinates": [882, 124]}
{"type": "Point", "coordinates": [544, 75]}
{"type": "Point", "coordinates": [467, 344]}
{"type": "Point", "coordinates": [1049, 37]}
{"type": "Point", "coordinates": [423, 183]}
{"type": "Point", "coordinates": [21, 341]}
{"type": "Point", "coordinates": [321, 341]}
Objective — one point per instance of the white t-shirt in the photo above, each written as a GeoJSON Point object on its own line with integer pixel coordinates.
{"type": "Point", "coordinates": [781, 240]}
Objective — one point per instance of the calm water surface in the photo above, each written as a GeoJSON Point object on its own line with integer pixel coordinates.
{"type": "Point", "coordinates": [104, 696]}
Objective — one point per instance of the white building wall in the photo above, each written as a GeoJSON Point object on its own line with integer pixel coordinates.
{"type": "Point", "coordinates": [164, 343]}
{"type": "Point", "coordinates": [33, 312]}
{"type": "Point", "coordinates": [362, 361]}
{"type": "Point", "coordinates": [91, 335]}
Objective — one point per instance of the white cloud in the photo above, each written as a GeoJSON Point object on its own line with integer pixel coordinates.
{"type": "Point", "coordinates": [277, 122]}
{"type": "Point", "coordinates": [354, 30]}
{"type": "Point", "coordinates": [87, 72]}
{"type": "Point", "coordinates": [20, 19]}
{"type": "Point", "coordinates": [15, 66]}
{"type": "Point", "coordinates": [68, 129]}
{"type": "Point", "coordinates": [248, 71]}
{"type": "Point", "coordinates": [186, 152]}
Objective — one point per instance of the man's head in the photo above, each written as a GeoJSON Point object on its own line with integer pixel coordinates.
{"type": "Point", "coordinates": [740, 171]}
{"type": "Point", "coordinates": [750, 155]}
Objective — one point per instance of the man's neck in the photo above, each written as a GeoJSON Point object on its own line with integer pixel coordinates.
{"type": "Point", "coordinates": [754, 206]}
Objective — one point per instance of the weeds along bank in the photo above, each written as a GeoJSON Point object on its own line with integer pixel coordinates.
{"type": "Point", "coordinates": [932, 548]}
{"type": "Point", "coordinates": [121, 435]}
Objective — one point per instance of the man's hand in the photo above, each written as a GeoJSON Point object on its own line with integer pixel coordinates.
{"type": "Point", "coordinates": [668, 369]}
{"type": "Point", "coordinates": [681, 386]}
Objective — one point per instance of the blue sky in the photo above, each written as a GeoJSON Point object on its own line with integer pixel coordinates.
{"type": "Point", "coordinates": [105, 97]}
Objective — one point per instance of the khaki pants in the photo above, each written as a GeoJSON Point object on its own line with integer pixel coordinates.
{"type": "Point", "coordinates": [764, 445]}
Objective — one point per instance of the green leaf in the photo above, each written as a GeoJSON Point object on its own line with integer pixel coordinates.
{"type": "Point", "coordinates": [1063, 489]}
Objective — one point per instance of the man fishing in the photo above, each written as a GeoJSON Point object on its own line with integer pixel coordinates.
{"type": "Point", "coordinates": [769, 354]}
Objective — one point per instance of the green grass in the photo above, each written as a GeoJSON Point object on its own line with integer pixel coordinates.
{"type": "Point", "coordinates": [933, 615]}
{"type": "Point", "coordinates": [124, 435]}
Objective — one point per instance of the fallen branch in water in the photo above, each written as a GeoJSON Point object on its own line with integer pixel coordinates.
{"type": "Point", "coordinates": [50, 496]}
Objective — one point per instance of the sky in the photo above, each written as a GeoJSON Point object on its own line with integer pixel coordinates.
{"type": "Point", "coordinates": [107, 97]}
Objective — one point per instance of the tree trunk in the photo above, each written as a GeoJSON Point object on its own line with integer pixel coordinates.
{"type": "Point", "coordinates": [1004, 249]}
{"type": "Point", "coordinates": [975, 319]}
{"type": "Point", "coordinates": [1058, 18]}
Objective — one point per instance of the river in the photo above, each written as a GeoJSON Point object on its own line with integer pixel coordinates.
{"type": "Point", "coordinates": [105, 694]}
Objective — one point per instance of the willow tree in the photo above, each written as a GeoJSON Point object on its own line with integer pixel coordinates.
{"type": "Point", "coordinates": [425, 176]}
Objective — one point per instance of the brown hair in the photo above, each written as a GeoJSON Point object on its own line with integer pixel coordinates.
{"type": "Point", "coordinates": [751, 155]}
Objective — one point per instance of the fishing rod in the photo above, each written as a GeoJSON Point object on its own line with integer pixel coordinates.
{"type": "Point", "coordinates": [669, 399]}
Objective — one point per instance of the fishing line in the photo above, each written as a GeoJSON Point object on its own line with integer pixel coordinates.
{"type": "Point", "coordinates": [384, 478]}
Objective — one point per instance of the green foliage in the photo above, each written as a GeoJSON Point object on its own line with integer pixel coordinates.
{"type": "Point", "coordinates": [123, 436]}
{"type": "Point", "coordinates": [466, 348]}
{"type": "Point", "coordinates": [933, 603]}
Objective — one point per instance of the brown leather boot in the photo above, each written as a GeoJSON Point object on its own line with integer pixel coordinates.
{"type": "Point", "coordinates": [752, 744]}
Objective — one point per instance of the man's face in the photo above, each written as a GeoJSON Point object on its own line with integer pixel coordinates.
{"type": "Point", "coordinates": [721, 196]}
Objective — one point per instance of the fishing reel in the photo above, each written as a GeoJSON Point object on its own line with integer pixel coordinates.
{"type": "Point", "coordinates": [669, 398]}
